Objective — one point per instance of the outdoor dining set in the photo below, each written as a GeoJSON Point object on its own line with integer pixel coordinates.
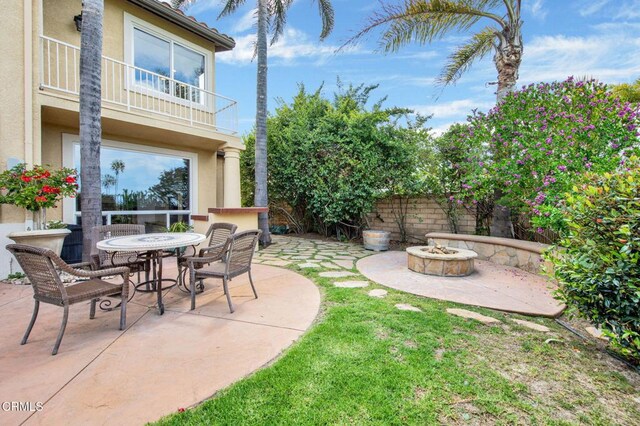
{"type": "Point", "coordinates": [125, 250]}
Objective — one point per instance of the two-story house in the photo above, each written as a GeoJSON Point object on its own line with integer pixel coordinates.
{"type": "Point", "coordinates": [170, 144]}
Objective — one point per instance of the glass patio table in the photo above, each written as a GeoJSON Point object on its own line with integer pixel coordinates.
{"type": "Point", "coordinates": [154, 244]}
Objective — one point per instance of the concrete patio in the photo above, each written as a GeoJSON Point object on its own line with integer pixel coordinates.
{"type": "Point", "coordinates": [491, 285]}
{"type": "Point", "coordinates": [159, 363]}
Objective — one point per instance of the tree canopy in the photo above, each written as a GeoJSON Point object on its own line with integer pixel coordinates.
{"type": "Point", "coordinates": [329, 161]}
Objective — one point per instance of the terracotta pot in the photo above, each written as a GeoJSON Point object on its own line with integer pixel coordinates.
{"type": "Point", "coordinates": [47, 238]}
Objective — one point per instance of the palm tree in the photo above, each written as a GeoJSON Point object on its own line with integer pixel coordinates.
{"type": "Point", "coordinates": [423, 21]}
{"type": "Point", "coordinates": [118, 167]}
{"type": "Point", "coordinates": [271, 18]}
{"type": "Point", "coordinates": [108, 181]}
{"type": "Point", "coordinates": [90, 118]}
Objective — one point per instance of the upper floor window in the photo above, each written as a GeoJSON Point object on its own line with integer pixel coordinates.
{"type": "Point", "coordinates": [166, 63]}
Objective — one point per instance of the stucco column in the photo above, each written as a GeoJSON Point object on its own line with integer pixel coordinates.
{"type": "Point", "coordinates": [232, 196]}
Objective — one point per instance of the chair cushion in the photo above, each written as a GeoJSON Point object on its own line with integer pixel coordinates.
{"type": "Point", "coordinates": [84, 290]}
{"type": "Point", "coordinates": [217, 270]}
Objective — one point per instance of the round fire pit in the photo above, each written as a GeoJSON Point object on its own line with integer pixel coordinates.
{"type": "Point", "coordinates": [455, 263]}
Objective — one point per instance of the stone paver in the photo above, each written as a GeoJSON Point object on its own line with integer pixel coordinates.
{"type": "Point", "coordinates": [532, 325]}
{"type": "Point", "coordinates": [309, 265]}
{"type": "Point", "coordinates": [329, 265]}
{"type": "Point", "coordinates": [351, 284]}
{"type": "Point", "coordinates": [473, 315]}
{"type": "Point", "coordinates": [405, 307]}
{"type": "Point", "coordinates": [491, 286]}
{"type": "Point", "coordinates": [336, 274]}
{"type": "Point", "coordinates": [159, 363]}
{"type": "Point", "coordinates": [378, 292]}
{"type": "Point", "coordinates": [347, 264]}
{"type": "Point", "coordinates": [594, 332]}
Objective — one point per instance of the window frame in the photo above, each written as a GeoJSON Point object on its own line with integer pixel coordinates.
{"type": "Point", "coordinates": [69, 212]}
{"type": "Point", "coordinates": [132, 22]}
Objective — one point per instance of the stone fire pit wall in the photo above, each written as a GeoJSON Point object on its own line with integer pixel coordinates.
{"type": "Point", "coordinates": [525, 255]}
{"type": "Point", "coordinates": [459, 264]}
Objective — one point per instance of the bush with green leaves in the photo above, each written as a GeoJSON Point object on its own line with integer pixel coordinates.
{"type": "Point", "coordinates": [446, 172]}
{"type": "Point", "coordinates": [597, 262]}
{"type": "Point", "coordinates": [329, 161]}
{"type": "Point", "coordinates": [540, 140]}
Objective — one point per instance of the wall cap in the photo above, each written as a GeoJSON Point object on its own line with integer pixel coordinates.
{"type": "Point", "coordinates": [238, 210]}
{"type": "Point", "coordinates": [531, 246]}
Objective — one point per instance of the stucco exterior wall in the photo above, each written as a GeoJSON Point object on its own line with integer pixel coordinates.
{"type": "Point", "coordinates": [424, 215]}
{"type": "Point", "coordinates": [58, 23]}
{"type": "Point", "coordinates": [12, 96]}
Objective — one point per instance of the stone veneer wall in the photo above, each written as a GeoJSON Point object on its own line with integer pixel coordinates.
{"type": "Point", "coordinates": [424, 215]}
{"type": "Point", "coordinates": [526, 257]}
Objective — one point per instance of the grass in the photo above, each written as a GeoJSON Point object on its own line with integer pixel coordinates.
{"type": "Point", "coordinates": [366, 362]}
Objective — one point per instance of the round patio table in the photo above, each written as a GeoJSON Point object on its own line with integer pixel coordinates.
{"type": "Point", "coordinates": [154, 244]}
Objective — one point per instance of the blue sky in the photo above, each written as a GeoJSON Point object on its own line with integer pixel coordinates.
{"type": "Point", "coordinates": [595, 38]}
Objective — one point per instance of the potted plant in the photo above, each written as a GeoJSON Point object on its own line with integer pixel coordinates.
{"type": "Point", "coordinates": [36, 190]}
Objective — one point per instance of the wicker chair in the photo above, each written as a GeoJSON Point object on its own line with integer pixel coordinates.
{"type": "Point", "coordinates": [41, 267]}
{"type": "Point", "coordinates": [218, 234]}
{"type": "Point", "coordinates": [236, 260]}
{"type": "Point", "coordinates": [101, 259]}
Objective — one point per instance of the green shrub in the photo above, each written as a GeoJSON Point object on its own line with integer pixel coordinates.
{"type": "Point", "coordinates": [597, 262]}
{"type": "Point", "coordinates": [542, 139]}
{"type": "Point", "coordinates": [330, 160]}
{"type": "Point", "coordinates": [56, 224]}
{"type": "Point", "coordinates": [180, 227]}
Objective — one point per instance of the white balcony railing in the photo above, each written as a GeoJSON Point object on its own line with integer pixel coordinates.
{"type": "Point", "coordinates": [130, 88]}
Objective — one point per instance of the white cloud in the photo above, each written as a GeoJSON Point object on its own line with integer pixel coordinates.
{"type": "Point", "coordinates": [592, 7]}
{"type": "Point", "coordinates": [536, 8]}
{"type": "Point", "coordinates": [439, 130]}
{"type": "Point", "coordinates": [202, 6]}
{"type": "Point", "coordinates": [452, 109]}
{"type": "Point", "coordinates": [599, 56]}
{"type": "Point", "coordinates": [293, 45]}
{"type": "Point", "coordinates": [246, 22]}
{"type": "Point", "coordinates": [428, 54]}
{"type": "Point", "coordinates": [629, 10]}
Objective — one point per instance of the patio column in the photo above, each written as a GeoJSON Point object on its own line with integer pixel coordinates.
{"type": "Point", "coordinates": [232, 177]}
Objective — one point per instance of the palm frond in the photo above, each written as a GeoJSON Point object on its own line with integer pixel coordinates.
{"type": "Point", "coordinates": [230, 6]}
{"type": "Point", "coordinates": [278, 17]}
{"type": "Point", "coordinates": [461, 60]}
{"type": "Point", "coordinates": [182, 4]}
{"type": "Point", "coordinates": [423, 21]}
{"type": "Point", "coordinates": [327, 14]}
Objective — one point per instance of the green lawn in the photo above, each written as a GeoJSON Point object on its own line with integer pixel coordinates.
{"type": "Point", "coordinates": [366, 362]}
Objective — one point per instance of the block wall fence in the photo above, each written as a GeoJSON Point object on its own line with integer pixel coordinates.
{"type": "Point", "coordinates": [423, 215]}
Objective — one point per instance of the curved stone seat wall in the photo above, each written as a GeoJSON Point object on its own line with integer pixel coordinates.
{"type": "Point", "coordinates": [525, 255]}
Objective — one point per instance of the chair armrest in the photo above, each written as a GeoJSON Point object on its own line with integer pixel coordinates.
{"type": "Point", "coordinates": [201, 259]}
{"type": "Point", "coordinates": [69, 269]}
{"type": "Point", "coordinates": [81, 265]}
{"type": "Point", "coordinates": [218, 247]}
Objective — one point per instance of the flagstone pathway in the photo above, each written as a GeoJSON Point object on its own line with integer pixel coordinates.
{"type": "Point", "coordinates": [307, 253]}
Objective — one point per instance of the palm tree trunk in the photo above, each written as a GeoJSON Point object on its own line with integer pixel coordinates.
{"type": "Point", "coordinates": [507, 59]}
{"type": "Point", "coordinates": [261, 197]}
{"type": "Point", "coordinates": [90, 116]}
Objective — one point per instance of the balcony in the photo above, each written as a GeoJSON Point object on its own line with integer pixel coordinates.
{"type": "Point", "coordinates": [129, 88]}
